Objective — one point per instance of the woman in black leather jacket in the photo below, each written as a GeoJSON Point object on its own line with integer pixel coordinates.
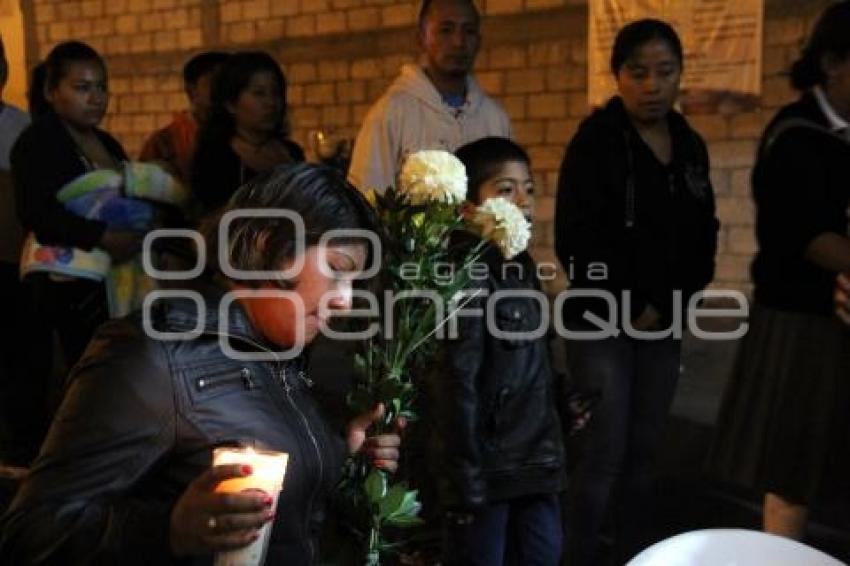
{"type": "Point", "coordinates": [498, 447]}
{"type": "Point", "coordinates": [125, 474]}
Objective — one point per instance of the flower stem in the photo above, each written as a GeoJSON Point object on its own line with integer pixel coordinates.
{"type": "Point", "coordinates": [373, 557]}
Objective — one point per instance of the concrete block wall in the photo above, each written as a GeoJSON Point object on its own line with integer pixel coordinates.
{"type": "Point", "coordinates": [339, 55]}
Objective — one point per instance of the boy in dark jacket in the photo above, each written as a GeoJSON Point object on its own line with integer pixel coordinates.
{"type": "Point", "coordinates": [498, 441]}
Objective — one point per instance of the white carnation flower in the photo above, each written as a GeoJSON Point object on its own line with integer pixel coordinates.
{"type": "Point", "coordinates": [433, 176]}
{"type": "Point", "coordinates": [504, 224]}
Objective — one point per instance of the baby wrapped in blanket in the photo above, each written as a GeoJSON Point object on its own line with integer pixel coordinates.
{"type": "Point", "coordinates": [131, 199]}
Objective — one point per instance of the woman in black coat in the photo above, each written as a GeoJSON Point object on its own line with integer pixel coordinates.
{"type": "Point", "coordinates": [635, 227]}
{"type": "Point", "coordinates": [783, 426]}
{"type": "Point", "coordinates": [62, 144]}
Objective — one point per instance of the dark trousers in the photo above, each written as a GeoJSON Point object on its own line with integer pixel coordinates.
{"type": "Point", "coordinates": [71, 310]}
{"type": "Point", "coordinates": [526, 531]}
{"type": "Point", "coordinates": [12, 358]}
{"type": "Point", "coordinates": [636, 380]}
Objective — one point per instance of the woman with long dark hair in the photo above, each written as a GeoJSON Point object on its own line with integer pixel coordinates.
{"type": "Point", "coordinates": [36, 101]}
{"type": "Point", "coordinates": [635, 219]}
{"type": "Point", "coordinates": [125, 475]}
{"type": "Point", "coordinates": [247, 129]}
{"type": "Point", "coordinates": [62, 144]}
{"type": "Point", "coordinates": [783, 426]}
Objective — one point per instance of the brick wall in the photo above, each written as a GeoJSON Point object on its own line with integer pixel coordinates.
{"type": "Point", "coordinates": [339, 55]}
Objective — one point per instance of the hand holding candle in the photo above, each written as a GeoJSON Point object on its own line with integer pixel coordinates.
{"type": "Point", "coordinates": [237, 517]}
{"type": "Point", "coordinates": [267, 472]}
{"type": "Point", "coordinates": [229, 506]}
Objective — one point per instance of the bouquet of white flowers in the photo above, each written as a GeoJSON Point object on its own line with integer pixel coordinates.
{"type": "Point", "coordinates": [417, 220]}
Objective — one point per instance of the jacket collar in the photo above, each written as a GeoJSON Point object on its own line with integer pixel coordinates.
{"type": "Point", "coordinates": [683, 137]}
{"type": "Point", "coordinates": [181, 314]}
{"type": "Point", "coordinates": [415, 82]}
{"type": "Point", "coordinates": [836, 122]}
{"type": "Point", "coordinates": [617, 110]}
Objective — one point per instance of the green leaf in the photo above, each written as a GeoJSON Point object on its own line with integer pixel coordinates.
{"type": "Point", "coordinates": [404, 521]}
{"type": "Point", "coordinates": [394, 499]}
{"type": "Point", "coordinates": [409, 414]}
{"type": "Point", "coordinates": [360, 362]}
{"type": "Point", "coordinates": [409, 506]}
{"type": "Point", "coordinates": [376, 486]}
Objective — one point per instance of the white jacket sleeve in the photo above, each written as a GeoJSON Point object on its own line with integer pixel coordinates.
{"type": "Point", "coordinates": [374, 160]}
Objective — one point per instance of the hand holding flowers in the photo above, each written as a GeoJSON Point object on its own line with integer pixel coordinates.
{"type": "Point", "coordinates": [417, 219]}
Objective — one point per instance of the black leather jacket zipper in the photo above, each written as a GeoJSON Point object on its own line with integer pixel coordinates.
{"type": "Point", "coordinates": [280, 372]}
{"type": "Point", "coordinates": [288, 390]}
{"type": "Point", "coordinates": [243, 375]}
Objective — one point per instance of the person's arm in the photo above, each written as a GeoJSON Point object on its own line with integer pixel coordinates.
{"type": "Point", "coordinates": [793, 202]}
{"type": "Point", "coordinates": [375, 155]}
{"type": "Point", "coordinates": [696, 238]}
{"type": "Point", "coordinates": [36, 171]}
{"type": "Point", "coordinates": [706, 246]}
{"type": "Point", "coordinates": [116, 422]}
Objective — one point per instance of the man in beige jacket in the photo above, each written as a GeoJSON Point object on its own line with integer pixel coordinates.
{"type": "Point", "coordinates": [435, 104]}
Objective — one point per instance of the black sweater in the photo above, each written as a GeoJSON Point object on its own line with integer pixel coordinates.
{"type": "Point", "coordinates": [44, 159]}
{"type": "Point", "coordinates": [801, 185]}
{"type": "Point", "coordinates": [651, 225]}
{"type": "Point", "coordinates": [217, 171]}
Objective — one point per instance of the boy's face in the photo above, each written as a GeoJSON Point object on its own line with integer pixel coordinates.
{"type": "Point", "coordinates": [514, 183]}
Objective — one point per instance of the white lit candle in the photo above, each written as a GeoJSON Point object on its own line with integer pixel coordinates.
{"type": "Point", "coordinates": [267, 472]}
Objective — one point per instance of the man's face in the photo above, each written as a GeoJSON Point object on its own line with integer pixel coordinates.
{"type": "Point", "coordinates": [450, 37]}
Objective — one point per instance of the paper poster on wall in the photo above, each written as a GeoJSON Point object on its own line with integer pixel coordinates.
{"type": "Point", "coordinates": [722, 40]}
{"type": "Point", "coordinates": [12, 32]}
